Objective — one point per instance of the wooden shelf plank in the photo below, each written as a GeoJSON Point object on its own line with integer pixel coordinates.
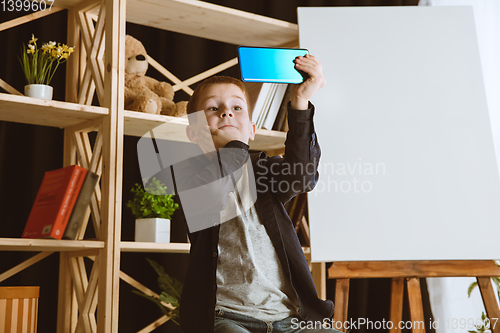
{"type": "Point", "coordinates": [27, 110]}
{"type": "Point", "coordinates": [155, 247]}
{"type": "Point", "coordinates": [28, 244]}
{"type": "Point", "coordinates": [165, 127]}
{"type": "Point", "coordinates": [165, 248]}
{"type": "Point", "coordinates": [206, 20]}
{"type": "Point", "coordinates": [174, 128]}
{"type": "Point", "coordinates": [268, 140]}
{"type": "Point", "coordinates": [202, 19]}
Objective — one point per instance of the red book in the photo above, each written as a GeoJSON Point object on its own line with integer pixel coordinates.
{"type": "Point", "coordinates": [54, 202]}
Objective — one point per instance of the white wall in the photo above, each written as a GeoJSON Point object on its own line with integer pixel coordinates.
{"type": "Point", "coordinates": [405, 135]}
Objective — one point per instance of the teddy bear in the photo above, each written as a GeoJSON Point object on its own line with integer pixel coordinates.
{"type": "Point", "coordinates": [143, 93]}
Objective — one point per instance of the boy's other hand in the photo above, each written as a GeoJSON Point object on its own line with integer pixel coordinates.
{"type": "Point", "coordinates": [301, 93]}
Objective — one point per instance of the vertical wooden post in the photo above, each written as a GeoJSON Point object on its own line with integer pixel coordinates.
{"type": "Point", "coordinates": [66, 311]}
{"type": "Point", "coordinates": [109, 256]}
{"type": "Point", "coordinates": [397, 289]}
{"type": "Point", "coordinates": [416, 306]}
{"type": "Point", "coordinates": [341, 302]}
{"type": "Point", "coordinates": [73, 63]}
{"type": "Point", "coordinates": [67, 307]}
{"type": "Point", "coordinates": [64, 308]}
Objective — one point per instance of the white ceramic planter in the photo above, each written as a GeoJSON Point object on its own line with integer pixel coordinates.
{"type": "Point", "coordinates": [42, 91]}
{"type": "Point", "coordinates": [152, 230]}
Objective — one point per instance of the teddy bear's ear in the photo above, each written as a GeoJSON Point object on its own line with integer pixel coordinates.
{"type": "Point", "coordinates": [133, 47]}
{"type": "Point", "coordinates": [128, 46]}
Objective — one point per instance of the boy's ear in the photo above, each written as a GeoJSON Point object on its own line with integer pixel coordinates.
{"type": "Point", "coordinates": [252, 131]}
{"type": "Point", "coordinates": [191, 133]}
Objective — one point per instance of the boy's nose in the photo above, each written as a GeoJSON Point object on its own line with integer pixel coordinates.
{"type": "Point", "coordinates": [226, 112]}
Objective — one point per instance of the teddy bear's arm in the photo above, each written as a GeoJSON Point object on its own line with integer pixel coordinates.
{"type": "Point", "coordinates": [129, 96]}
{"type": "Point", "coordinates": [162, 89]}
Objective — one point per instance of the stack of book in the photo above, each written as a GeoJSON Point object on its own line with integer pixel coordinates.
{"type": "Point", "coordinates": [61, 203]}
{"type": "Point", "coordinates": [269, 102]}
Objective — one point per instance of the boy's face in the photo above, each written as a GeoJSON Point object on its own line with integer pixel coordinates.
{"type": "Point", "coordinates": [226, 111]}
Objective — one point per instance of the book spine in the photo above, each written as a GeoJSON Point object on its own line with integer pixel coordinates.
{"type": "Point", "coordinates": [68, 203]}
{"type": "Point", "coordinates": [265, 108]}
{"type": "Point", "coordinates": [275, 106]}
{"type": "Point", "coordinates": [81, 206]}
{"type": "Point", "coordinates": [280, 118]}
{"type": "Point", "coordinates": [261, 99]}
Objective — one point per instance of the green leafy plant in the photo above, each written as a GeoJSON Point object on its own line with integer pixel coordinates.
{"type": "Point", "coordinates": [147, 205]}
{"type": "Point", "coordinates": [486, 323]}
{"type": "Point", "coordinates": [170, 294]}
{"type": "Point", "coordinates": [40, 65]}
{"type": "Point", "coordinates": [485, 326]}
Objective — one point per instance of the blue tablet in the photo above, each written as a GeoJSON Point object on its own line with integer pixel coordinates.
{"type": "Point", "coordinates": [270, 64]}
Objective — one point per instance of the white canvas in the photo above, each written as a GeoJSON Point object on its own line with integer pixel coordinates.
{"type": "Point", "coordinates": [408, 169]}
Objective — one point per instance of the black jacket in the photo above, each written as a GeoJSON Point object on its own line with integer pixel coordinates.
{"type": "Point", "coordinates": [298, 169]}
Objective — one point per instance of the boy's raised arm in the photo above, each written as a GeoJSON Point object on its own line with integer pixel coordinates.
{"type": "Point", "coordinates": [297, 171]}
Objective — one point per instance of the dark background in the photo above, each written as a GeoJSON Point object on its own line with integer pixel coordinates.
{"type": "Point", "coordinates": [27, 151]}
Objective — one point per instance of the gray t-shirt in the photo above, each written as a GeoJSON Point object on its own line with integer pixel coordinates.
{"type": "Point", "coordinates": [250, 278]}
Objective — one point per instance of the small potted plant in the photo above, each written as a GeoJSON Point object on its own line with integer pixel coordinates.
{"type": "Point", "coordinates": [40, 65]}
{"type": "Point", "coordinates": [152, 212]}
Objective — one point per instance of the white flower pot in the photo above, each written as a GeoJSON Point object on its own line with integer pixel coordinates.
{"type": "Point", "coordinates": [42, 91]}
{"type": "Point", "coordinates": [152, 230]}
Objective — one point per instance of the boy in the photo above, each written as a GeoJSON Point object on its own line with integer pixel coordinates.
{"type": "Point", "coordinates": [247, 271]}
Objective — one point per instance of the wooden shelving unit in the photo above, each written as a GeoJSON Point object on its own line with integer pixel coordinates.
{"type": "Point", "coordinates": [100, 70]}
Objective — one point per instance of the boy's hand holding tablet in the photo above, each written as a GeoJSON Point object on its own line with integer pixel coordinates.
{"type": "Point", "coordinates": [283, 65]}
{"type": "Point", "coordinates": [302, 93]}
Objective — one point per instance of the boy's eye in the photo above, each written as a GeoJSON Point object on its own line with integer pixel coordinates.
{"type": "Point", "coordinates": [237, 108]}
{"type": "Point", "coordinates": [213, 108]}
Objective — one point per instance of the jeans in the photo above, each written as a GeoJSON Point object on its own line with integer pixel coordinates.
{"type": "Point", "coordinates": [229, 322]}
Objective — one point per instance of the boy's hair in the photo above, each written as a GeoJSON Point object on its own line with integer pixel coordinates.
{"type": "Point", "coordinates": [193, 101]}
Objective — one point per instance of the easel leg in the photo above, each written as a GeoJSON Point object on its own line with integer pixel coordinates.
{"type": "Point", "coordinates": [319, 278]}
{"type": "Point", "coordinates": [397, 289]}
{"type": "Point", "coordinates": [341, 302]}
{"type": "Point", "coordinates": [490, 302]}
{"type": "Point", "coordinates": [416, 306]}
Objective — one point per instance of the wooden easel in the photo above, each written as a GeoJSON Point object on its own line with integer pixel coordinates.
{"type": "Point", "coordinates": [411, 272]}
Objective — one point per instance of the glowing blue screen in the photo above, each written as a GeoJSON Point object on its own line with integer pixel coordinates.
{"type": "Point", "coordinates": [259, 64]}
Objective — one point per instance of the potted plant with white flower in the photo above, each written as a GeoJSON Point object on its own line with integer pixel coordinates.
{"type": "Point", "coordinates": [40, 64]}
{"type": "Point", "coordinates": [152, 212]}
